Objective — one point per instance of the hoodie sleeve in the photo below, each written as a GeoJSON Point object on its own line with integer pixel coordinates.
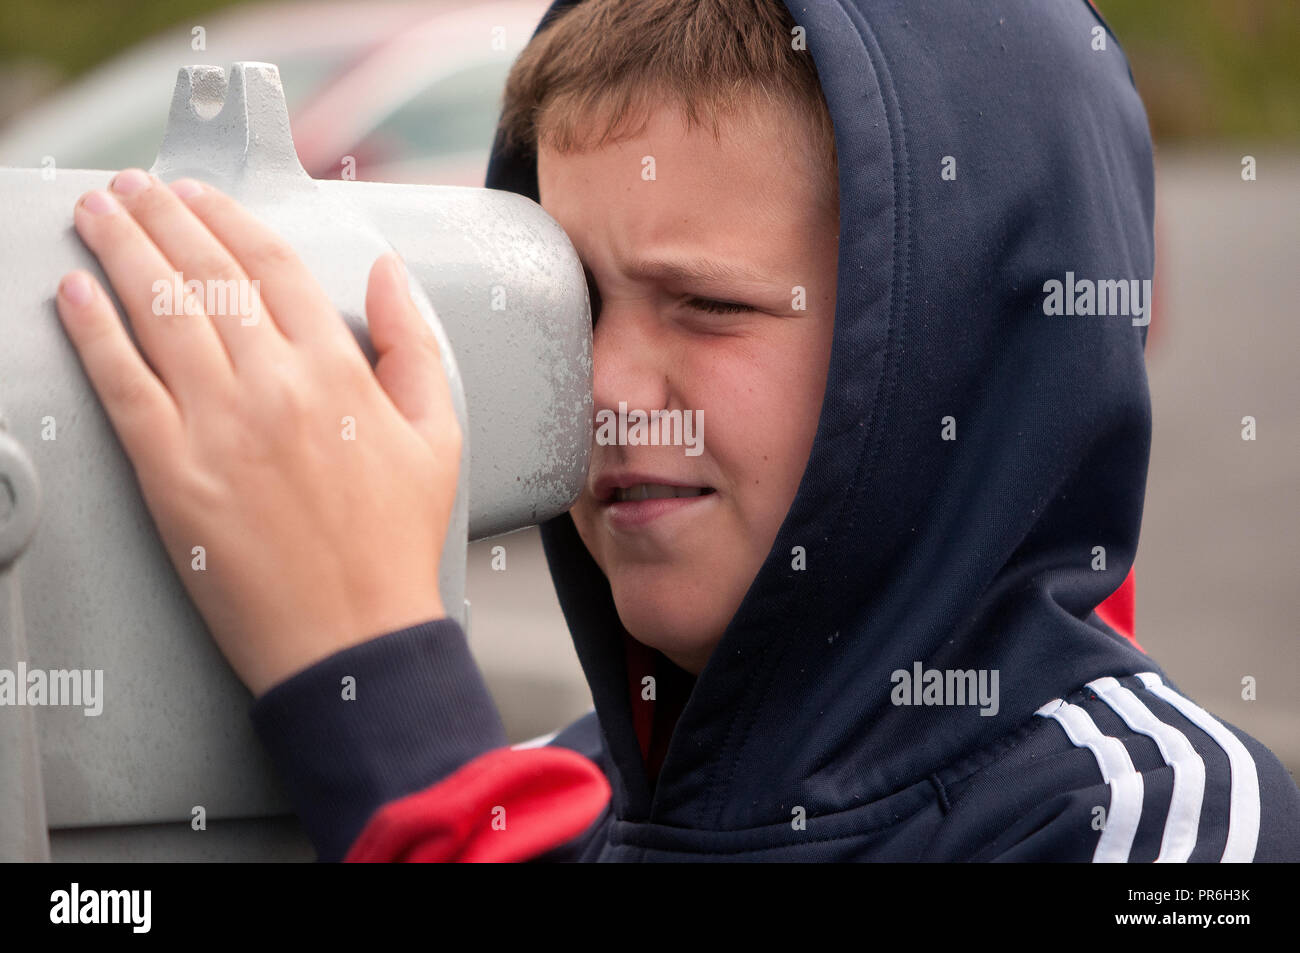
{"type": "Point", "coordinates": [1126, 771]}
{"type": "Point", "coordinates": [393, 750]}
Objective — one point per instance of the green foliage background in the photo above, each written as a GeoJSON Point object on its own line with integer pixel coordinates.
{"type": "Point", "coordinates": [74, 35]}
{"type": "Point", "coordinates": [1207, 69]}
{"type": "Point", "coordinates": [1214, 69]}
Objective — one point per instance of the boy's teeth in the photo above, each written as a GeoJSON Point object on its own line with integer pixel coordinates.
{"type": "Point", "coordinates": [653, 491]}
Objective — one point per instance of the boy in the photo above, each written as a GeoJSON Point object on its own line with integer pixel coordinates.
{"type": "Point", "coordinates": [862, 623]}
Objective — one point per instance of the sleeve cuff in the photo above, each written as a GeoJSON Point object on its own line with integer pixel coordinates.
{"type": "Point", "coordinates": [417, 711]}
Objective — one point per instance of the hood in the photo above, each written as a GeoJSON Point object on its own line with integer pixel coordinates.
{"type": "Point", "coordinates": [973, 553]}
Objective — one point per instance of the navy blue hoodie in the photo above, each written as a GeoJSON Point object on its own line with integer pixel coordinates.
{"type": "Point", "coordinates": [975, 448]}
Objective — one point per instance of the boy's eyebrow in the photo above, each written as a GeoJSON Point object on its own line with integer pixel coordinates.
{"type": "Point", "coordinates": [693, 269]}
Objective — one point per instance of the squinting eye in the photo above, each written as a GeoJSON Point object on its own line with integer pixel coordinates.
{"type": "Point", "coordinates": [716, 307]}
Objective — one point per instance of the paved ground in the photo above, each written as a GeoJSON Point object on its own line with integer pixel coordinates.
{"type": "Point", "coordinates": [1218, 594]}
{"type": "Point", "coordinates": [1218, 583]}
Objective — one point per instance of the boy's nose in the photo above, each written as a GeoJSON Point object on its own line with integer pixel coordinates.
{"type": "Point", "coordinates": [631, 363]}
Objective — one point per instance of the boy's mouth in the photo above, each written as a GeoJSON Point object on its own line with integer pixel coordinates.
{"type": "Point", "coordinates": [656, 491]}
{"type": "Point", "coordinates": [635, 507]}
{"type": "Point", "coordinates": [636, 487]}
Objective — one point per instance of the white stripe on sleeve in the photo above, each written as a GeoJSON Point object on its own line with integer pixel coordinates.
{"type": "Point", "coordinates": [1184, 818]}
{"type": "Point", "coordinates": [1116, 770]}
{"type": "Point", "coordinates": [1243, 816]}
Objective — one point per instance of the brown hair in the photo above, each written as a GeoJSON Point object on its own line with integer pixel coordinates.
{"type": "Point", "coordinates": [600, 66]}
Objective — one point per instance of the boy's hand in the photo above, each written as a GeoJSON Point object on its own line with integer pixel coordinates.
{"type": "Point", "coordinates": [319, 490]}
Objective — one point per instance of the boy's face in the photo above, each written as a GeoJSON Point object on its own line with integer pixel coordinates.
{"type": "Point", "coordinates": [697, 249]}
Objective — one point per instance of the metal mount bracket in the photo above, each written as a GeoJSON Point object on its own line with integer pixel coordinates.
{"type": "Point", "coordinates": [23, 834]}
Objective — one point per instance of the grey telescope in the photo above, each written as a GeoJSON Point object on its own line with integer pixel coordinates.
{"type": "Point", "coordinates": [84, 582]}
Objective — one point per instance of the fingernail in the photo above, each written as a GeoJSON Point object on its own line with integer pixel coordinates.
{"type": "Point", "coordinates": [76, 288]}
{"type": "Point", "coordinates": [100, 203]}
{"type": "Point", "coordinates": [186, 188]}
{"type": "Point", "coordinates": [130, 182]}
